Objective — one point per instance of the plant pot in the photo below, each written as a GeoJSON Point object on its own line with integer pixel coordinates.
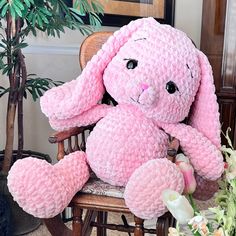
{"type": "Point", "coordinates": [20, 221]}
{"type": "Point", "coordinates": [5, 217]}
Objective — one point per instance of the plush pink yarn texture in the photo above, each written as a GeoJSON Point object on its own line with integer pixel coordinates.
{"type": "Point", "coordinates": [142, 187]}
{"type": "Point", "coordinates": [42, 189]}
{"type": "Point", "coordinates": [158, 78]}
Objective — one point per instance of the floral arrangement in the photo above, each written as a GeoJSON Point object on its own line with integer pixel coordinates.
{"type": "Point", "coordinates": [223, 222]}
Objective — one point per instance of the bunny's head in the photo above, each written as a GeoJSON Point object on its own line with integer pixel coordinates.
{"type": "Point", "coordinates": [154, 67]}
{"type": "Point", "coordinates": [157, 70]}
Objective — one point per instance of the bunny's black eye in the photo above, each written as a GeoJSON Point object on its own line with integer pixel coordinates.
{"type": "Point", "coordinates": [171, 87]}
{"type": "Point", "coordinates": [131, 64]}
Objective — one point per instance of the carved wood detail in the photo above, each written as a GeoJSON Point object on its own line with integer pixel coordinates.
{"type": "Point", "coordinates": [77, 222]}
{"type": "Point", "coordinates": [139, 229]}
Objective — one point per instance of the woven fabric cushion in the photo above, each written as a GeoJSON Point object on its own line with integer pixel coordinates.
{"type": "Point", "coordinates": [98, 187]}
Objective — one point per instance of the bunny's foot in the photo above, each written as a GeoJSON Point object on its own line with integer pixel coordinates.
{"type": "Point", "coordinates": [143, 190]}
{"type": "Point", "coordinates": [44, 190]}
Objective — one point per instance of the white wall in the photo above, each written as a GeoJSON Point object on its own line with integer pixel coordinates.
{"type": "Point", "coordinates": [57, 59]}
{"type": "Point", "coordinates": [188, 18]}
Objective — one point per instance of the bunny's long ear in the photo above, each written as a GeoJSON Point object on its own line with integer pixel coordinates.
{"type": "Point", "coordinates": [205, 111]}
{"type": "Point", "coordinates": [81, 94]}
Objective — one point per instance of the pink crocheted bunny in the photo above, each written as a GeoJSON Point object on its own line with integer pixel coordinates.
{"type": "Point", "coordinates": [155, 74]}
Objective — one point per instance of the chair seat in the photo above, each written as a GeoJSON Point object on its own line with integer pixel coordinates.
{"type": "Point", "coordinates": [98, 187]}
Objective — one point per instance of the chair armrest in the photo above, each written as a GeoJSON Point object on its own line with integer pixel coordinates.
{"type": "Point", "coordinates": [60, 137]}
{"type": "Point", "coordinates": [78, 142]}
{"type": "Point", "coordinates": [63, 135]}
{"type": "Point", "coordinates": [172, 149]}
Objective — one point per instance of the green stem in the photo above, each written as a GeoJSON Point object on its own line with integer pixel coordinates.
{"type": "Point", "coordinates": [193, 204]}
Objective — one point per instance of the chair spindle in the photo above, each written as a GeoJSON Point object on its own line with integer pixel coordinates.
{"type": "Point", "coordinates": [61, 151]}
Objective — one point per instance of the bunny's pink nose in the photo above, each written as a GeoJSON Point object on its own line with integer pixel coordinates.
{"type": "Point", "coordinates": [144, 86]}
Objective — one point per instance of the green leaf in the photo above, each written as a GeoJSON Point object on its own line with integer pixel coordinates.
{"type": "Point", "coordinates": [44, 18]}
{"type": "Point", "coordinates": [4, 10]}
{"type": "Point", "coordinates": [19, 4]}
{"type": "Point", "coordinates": [34, 32]}
{"type": "Point", "coordinates": [30, 16]}
{"type": "Point", "coordinates": [34, 20]}
{"type": "Point", "coordinates": [40, 94]}
{"type": "Point", "coordinates": [78, 12]}
{"type": "Point", "coordinates": [7, 69]}
{"type": "Point", "coordinates": [52, 33]}
{"type": "Point", "coordinates": [76, 4]}
{"type": "Point", "coordinates": [17, 10]}
{"type": "Point", "coordinates": [34, 94]}
{"type": "Point", "coordinates": [12, 11]}
{"type": "Point", "coordinates": [27, 2]}
{"type": "Point", "coordinates": [2, 3]}
{"type": "Point", "coordinates": [58, 33]}
{"type": "Point", "coordinates": [39, 21]}
{"type": "Point", "coordinates": [96, 19]}
{"type": "Point", "coordinates": [86, 5]}
{"type": "Point", "coordinates": [3, 45]}
{"type": "Point", "coordinates": [97, 7]}
{"type": "Point", "coordinates": [24, 12]}
{"type": "Point", "coordinates": [21, 45]}
{"type": "Point", "coordinates": [46, 11]}
{"type": "Point", "coordinates": [78, 18]}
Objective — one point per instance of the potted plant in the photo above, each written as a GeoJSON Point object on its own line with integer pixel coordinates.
{"type": "Point", "coordinates": [18, 19]}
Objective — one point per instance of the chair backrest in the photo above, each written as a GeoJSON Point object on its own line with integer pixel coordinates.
{"type": "Point", "coordinates": [91, 45]}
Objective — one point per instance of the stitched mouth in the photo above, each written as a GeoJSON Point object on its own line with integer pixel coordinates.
{"type": "Point", "coordinates": [145, 98]}
{"type": "Point", "coordinates": [136, 101]}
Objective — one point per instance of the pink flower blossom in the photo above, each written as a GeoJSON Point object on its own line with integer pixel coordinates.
{"type": "Point", "coordinates": [188, 173]}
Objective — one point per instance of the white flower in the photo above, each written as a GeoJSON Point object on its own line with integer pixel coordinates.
{"type": "Point", "coordinates": [199, 224]}
{"type": "Point", "coordinates": [178, 206]}
{"type": "Point", "coordinates": [198, 220]}
{"type": "Point", "coordinates": [173, 232]}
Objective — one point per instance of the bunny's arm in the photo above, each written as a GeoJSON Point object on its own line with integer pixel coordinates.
{"type": "Point", "coordinates": [88, 117]}
{"type": "Point", "coordinates": [204, 156]}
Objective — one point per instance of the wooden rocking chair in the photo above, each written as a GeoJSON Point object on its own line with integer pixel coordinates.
{"type": "Point", "coordinates": [98, 204]}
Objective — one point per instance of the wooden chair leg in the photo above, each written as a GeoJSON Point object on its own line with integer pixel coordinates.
{"type": "Point", "coordinates": [138, 231]}
{"type": "Point", "coordinates": [162, 225]}
{"type": "Point", "coordinates": [101, 219]}
{"type": "Point", "coordinates": [172, 221]}
{"type": "Point", "coordinates": [77, 222]}
{"type": "Point", "coordinates": [57, 227]}
{"type": "Point", "coordinates": [89, 217]}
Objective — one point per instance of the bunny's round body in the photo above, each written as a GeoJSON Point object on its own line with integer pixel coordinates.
{"type": "Point", "coordinates": [155, 74]}
{"type": "Point", "coordinates": [133, 141]}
